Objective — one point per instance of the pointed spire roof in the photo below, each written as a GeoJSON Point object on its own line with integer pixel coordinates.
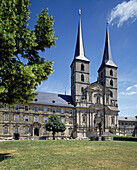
{"type": "Point", "coordinates": [79, 51]}
{"type": "Point", "coordinates": [107, 57]}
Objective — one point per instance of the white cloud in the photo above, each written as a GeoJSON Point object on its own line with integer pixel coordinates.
{"type": "Point", "coordinates": [130, 93]}
{"type": "Point", "coordinates": [129, 88]}
{"type": "Point", "coordinates": [123, 12]}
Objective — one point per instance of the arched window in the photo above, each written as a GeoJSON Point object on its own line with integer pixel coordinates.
{"type": "Point", "coordinates": [111, 72]}
{"type": "Point", "coordinates": [111, 82]}
{"type": "Point", "coordinates": [98, 100]}
{"type": "Point", "coordinates": [82, 67]}
{"type": "Point", "coordinates": [82, 77]}
{"type": "Point", "coordinates": [82, 90]}
{"type": "Point", "coordinates": [111, 94]}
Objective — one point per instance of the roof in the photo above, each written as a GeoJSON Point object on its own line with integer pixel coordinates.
{"type": "Point", "coordinates": [107, 57]}
{"type": "Point", "coordinates": [53, 99]}
{"type": "Point", "coordinates": [127, 119]}
{"type": "Point", "coordinates": [79, 51]}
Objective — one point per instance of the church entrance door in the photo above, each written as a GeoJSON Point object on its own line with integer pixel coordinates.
{"type": "Point", "coordinates": [36, 132]}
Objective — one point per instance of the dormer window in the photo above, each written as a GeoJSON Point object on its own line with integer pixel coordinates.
{"type": "Point", "coordinates": [82, 77]}
{"type": "Point", "coordinates": [82, 67]}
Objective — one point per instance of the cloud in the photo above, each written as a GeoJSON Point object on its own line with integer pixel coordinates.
{"type": "Point", "coordinates": [131, 87]}
{"type": "Point", "coordinates": [130, 93]}
{"type": "Point", "coordinates": [123, 12]}
{"type": "Point", "coordinates": [131, 90]}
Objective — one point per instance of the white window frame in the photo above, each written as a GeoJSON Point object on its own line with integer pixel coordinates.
{"type": "Point", "coordinates": [17, 107]}
{"type": "Point", "coordinates": [62, 111]}
{"type": "Point", "coordinates": [6, 129]}
{"type": "Point", "coordinates": [36, 119]}
{"type": "Point", "coordinates": [70, 120]}
{"type": "Point", "coordinates": [16, 129]}
{"type": "Point", "coordinates": [6, 117]}
{"type": "Point", "coordinates": [5, 107]}
{"type": "Point", "coordinates": [70, 131]}
{"type": "Point", "coordinates": [45, 119]}
{"type": "Point", "coordinates": [26, 108]}
{"type": "Point", "coordinates": [70, 111]}
{"type": "Point", "coordinates": [45, 109]}
{"type": "Point", "coordinates": [16, 117]}
{"type": "Point", "coordinates": [36, 108]}
{"type": "Point", "coordinates": [26, 130]}
{"type": "Point", "coordinates": [26, 118]}
{"type": "Point", "coordinates": [54, 110]}
{"type": "Point", "coordinates": [62, 119]}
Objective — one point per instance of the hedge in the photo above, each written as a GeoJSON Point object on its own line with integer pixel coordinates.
{"type": "Point", "coordinates": [125, 138]}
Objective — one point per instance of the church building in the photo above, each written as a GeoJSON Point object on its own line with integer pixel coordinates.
{"type": "Point", "coordinates": [95, 103]}
{"type": "Point", "coordinates": [91, 109]}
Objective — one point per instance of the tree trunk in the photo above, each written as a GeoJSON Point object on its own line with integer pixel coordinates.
{"type": "Point", "coordinates": [53, 135]}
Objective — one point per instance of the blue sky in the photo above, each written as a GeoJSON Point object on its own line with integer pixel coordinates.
{"type": "Point", "coordinates": [122, 17]}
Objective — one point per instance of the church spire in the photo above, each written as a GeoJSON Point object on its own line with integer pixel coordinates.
{"type": "Point", "coordinates": [107, 57]}
{"type": "Point", "coordinates": [79, 51]}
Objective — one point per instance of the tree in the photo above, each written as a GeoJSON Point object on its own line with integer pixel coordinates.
{"type": "Point", "coordinates": [55, 125]}
{"type": "Point", "coordinates": [21, 67]}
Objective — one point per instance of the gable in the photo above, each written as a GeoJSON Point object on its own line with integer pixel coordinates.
{"type": "Point", "coordinates": [97, 87]}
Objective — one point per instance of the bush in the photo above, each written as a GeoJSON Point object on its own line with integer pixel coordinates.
{"type": "Point", "coordinates": [125, 138]}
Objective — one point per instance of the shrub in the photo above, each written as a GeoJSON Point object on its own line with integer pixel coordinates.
{"type": "Point", "coordinates": [125, 138]}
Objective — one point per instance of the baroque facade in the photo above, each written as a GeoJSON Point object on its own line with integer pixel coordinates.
{"type": "Point", "coordinates": [91, 109]}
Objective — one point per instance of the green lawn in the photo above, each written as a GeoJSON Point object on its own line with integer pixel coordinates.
{"type": "Point", "coordinates": [72, 154]}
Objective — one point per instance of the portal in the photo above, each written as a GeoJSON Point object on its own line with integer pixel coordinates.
{"type": "Point", "coordinates": [36, 132]}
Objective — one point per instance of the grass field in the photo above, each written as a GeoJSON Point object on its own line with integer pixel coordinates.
{"type": "Point", "coordinates": [72, 154]}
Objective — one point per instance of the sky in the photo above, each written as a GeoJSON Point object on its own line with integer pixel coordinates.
{"type": "Point", "coordinates": [122, 18]}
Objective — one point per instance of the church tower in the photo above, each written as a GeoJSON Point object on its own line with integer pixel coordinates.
{"type": "Point", "coordinates": [79, 68]}
{"type": "Point", "coordinates": [107, 73]}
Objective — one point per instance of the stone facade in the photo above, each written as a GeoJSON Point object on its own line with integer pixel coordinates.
{"type": "Point", "coordinates": [90, 110]}
{"type": "Point", "coordinates": [127, 126]}
{"type": "Point", "coordinates": [29, 121]}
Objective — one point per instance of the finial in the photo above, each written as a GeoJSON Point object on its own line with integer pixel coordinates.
{"type": "Point", "coordinates": [79, 11]}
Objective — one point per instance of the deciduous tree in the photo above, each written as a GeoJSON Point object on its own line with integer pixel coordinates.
{"type": "Point", "coordinates": [55, 125]}
{"type": "Point", "coordinates": [22, 68]}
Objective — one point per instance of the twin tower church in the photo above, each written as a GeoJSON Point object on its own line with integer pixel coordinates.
{"type": "Point", "coordinates": [94, 102]}
{"type": "Point", "coordinates": [90, 109]}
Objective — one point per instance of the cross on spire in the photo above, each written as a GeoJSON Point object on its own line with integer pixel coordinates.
{"type": "Point", "coordinates": [79, 11]}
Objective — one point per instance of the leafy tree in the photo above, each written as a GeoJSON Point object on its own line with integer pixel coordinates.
{"type": "Point", "coordinates": [55, 125]}
{"type": "Point", "coordinates": [21, 67]}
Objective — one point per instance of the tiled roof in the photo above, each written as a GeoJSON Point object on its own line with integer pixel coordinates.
{"type": "Point", "coordinates": [127, 119]}
{"type": "Point", "coordinates": [53, 99]}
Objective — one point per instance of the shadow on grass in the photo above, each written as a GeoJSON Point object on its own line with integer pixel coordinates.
{"type": "Point", "coordinates": [4, 156]}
